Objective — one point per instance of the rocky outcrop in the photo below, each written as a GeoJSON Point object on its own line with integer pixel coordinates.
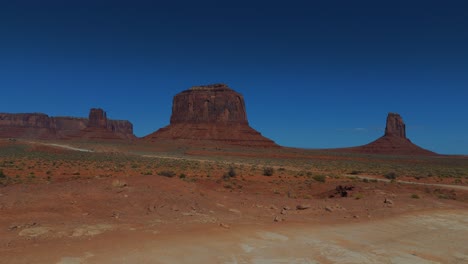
{"type": "Point", "coordinates": [393, 142]}
{"type": "Point", "coordinates": [209, 104]}
{"type": "Point", "coordinates": [395, 126]}
{"type": "Point", "coordinates": [213, 113]}
{"type": "Point", "coordinates": [28, 125]}
{"type": "Point", "coordinates": [41, 126]}
{"type": "Point", "coordinates": [97, 118]}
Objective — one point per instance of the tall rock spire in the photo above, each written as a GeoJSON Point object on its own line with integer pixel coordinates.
{"type": "Point", "coordinates": [395, 126]}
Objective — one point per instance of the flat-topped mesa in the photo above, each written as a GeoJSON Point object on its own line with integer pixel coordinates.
{"type": "Point", "coordinates": [41, 126]}
{"type": "Point", "coordinates": [213, 113]}
{"type": "Point", "coordinates": [395, 126]}
{"type": "Point", "coordinates": [215, 103]}
{"type": "Point", "coordinates": [26, 125]}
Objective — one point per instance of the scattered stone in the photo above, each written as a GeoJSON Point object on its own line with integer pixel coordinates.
{"type": "Point", "coordinates": [225, 226]}
{"type": "Point", "coordinates": [388, 201]}
{"type": "Point", "coordinates": [287, 208]}
{"type": "Point", "coordinates": [235, 211]}
{"type": "Point", "coordinates": [356, 216]}
{"type": "Point", "coordinates": [119, 184]}
{"type": "Point", "coordinates": [34, 231]}
{"type": "Point", "coordinates": [278, 219]}
{"type": "Point", "coordinates": [302, 207]}
{"type": "Point", "coordinates": [283, 212]}
{"type": "Point", "coordinates": [328, 209]}
{"type": "Point", "coordinates": [273, 207]}
{"type": "Point", "coordinates": [174, 208]}
{"type": "Point", "coordinates": [13, 227]}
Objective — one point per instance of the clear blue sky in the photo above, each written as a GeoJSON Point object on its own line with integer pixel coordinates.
{"type": "Point", "coordinates": [315, 74]}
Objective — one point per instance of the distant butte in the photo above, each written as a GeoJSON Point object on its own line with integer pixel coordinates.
{"type": "Point", "coordinates": [393, 142]}
{"type": "Point", "coordinates": [213, 113]}
{"type": "Point", "coordinates": [42, 126]}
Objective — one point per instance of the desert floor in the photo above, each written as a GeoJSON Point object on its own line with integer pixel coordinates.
{"type": "Point", "coordinates": [130, 204]}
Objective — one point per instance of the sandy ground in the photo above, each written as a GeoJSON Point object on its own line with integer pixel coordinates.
{"type": "Point", "coordinates": [429, 237]}
{"type": "Point", "coordinates": [109, 212]}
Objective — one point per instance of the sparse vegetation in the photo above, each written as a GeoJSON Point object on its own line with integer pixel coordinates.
{"type": "Point", "coordinates": [391, 175]}
{"type": "Point", "coordinates": [230, 173]}
{"type": "Point", "coordinates": [268, 171]}
{"type": "Point", "coordinates": [2, 175]}
{"type": "Point", "coordinates": [415, 196]}
{"type": "Point", "coordinates": [167, 173]}
{"type": "Point", "coordinates": [358, 196]}
{"type": "Point", "coordinates": [319, 178]}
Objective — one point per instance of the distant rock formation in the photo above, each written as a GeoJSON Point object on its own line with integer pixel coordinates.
{"type": "Point", "coordinates": [395, 126]}
{"type": "Point", "coordinates": [394, 141]}
{"type": "Point", "coordinates": [29, 125]}
{"type": "Point", "coordinates": [41, 126]}
{"type": "Point", "coordinates": [211, 113]}
{"type": "Point", "coordinates": [97, 118]}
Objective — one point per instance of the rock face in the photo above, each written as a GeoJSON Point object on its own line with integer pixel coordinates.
{"type": "Point", "coordinates": [394, 141]}
{"type": "Point", "coordinates": [211, 113]}
{"type": "Point", "coordinates": [97, 118]}
{"type": "Point", "coordinates": [41, 126]}
{"type": "Point", "coordinates": [209, 104]}
{"type": "Point", "coordinates": [29, 125]}
{"type": "Point", "coordinates": [395, 126]}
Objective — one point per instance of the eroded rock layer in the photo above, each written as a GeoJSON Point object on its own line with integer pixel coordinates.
{"type": "Point", "coordinates": [212, 113]}
{"type": "Point", "coordinates": [41, 126]}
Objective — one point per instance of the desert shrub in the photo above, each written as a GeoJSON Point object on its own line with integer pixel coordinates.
{"type": "Point", "coordinates": [359, 196]}
{"type": "Point", "coordinates": [355, 172]}
{"type": "Point", "coordinates": [182, 176]}
{"type": "Point", "coordinates": [391, 175]}
{"type": "Point", "coordinates": [168, 174]}
{"type": "Point", "coordinates": [415, 196]}
{"type": "Point", "coordinates": [320, 178]}
{"type": "Point", "coordinates": [230, 173]}
{"type": "Point", "coordinates": [2, 175]}
{"type": "Point", "coordinates": [268, 171]}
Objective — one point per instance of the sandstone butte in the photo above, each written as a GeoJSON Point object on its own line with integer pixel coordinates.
{"type": "Point", "coordinates": [393, 142]}
{"type": "Point", "coordinates": [42, 126]}
{"type": "Point", "coordinates": [213, 113]}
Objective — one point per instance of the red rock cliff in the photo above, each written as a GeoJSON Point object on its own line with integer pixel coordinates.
{"type": "Point", "coordinates": [213, 113]}
{"type": "Point", "coordinates": [26, 125]}
{"type": "Point", "coordinates": [395, 126]}
{"type": "Point", "coordinates": [41, 126]}
{"type": "Point", "coordinates": [209, 104]}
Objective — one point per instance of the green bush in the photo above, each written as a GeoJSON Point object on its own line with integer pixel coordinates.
{"type": "Point", "coordinates": [2, 175]}
{"type": "Point", "coordinates": [268, 171]}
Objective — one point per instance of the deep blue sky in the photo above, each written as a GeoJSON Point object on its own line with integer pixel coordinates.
{"type": "Point", "coordinates": [315, 74]}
